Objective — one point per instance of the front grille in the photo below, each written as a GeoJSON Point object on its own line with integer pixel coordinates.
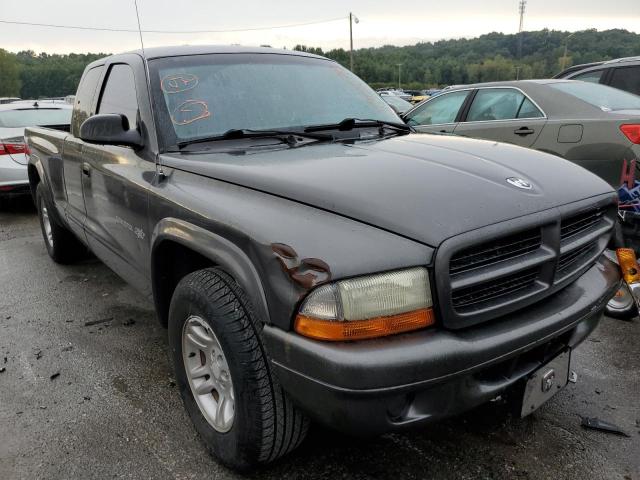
{"type": "Point", "coordinates": [474, 297]}
{"type": "Point", "coordinates": [502, 268]}
{"type": "Point", "coordinates": [495, 251]}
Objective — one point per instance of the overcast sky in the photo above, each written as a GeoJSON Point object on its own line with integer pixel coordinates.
{"type": "Point", "coordinates": [381, 21]}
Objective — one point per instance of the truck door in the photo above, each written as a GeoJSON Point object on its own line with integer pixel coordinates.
{"type": "Point", "coordinates": [115, 184]}
{"type": "Point", "coordinates": [502, 114]}
{"type": "Point", "coordinates": [74, 151]}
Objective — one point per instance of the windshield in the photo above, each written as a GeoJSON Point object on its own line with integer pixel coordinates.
{"type": "Point", "coordinates": [35, 117]}
{"type": "Point", "coordinates": [601, 96]}
{"type": "Point", "coordinates": [207, 95]}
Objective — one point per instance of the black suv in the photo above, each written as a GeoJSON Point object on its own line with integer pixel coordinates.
{"type": "Point", "coordinates": [622, 73]}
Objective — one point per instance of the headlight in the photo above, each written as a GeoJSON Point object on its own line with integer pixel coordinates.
{"type": "Point", "coordinates": [367, 307]}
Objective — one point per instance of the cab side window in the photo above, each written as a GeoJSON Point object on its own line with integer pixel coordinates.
{"type": "Point", "coordinates": [442, 109]}
{"type": "Point", "coordinates": [84, 99]}
{"type": "Point", "coordinates": [626, 78]}
{"type": "Point", "coordinates": [119, 94]}
{"type": "Point", "coordinates": [591, 77]}
{"type": "Point", "coordinates": [501, 104]}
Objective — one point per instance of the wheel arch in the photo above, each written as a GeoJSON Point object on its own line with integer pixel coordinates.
{"type": "Point", "coordinates": [197, 248]}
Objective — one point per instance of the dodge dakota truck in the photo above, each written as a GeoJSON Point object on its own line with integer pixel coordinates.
{"type": "Point", "coordinates": [311, 256]}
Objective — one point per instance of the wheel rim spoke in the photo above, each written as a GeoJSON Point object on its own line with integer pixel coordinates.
{"type": "Point", "coordinates": [208, 373]}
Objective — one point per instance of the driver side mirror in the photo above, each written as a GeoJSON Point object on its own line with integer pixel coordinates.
{"type": "Point", "coordinates": [110, 129]}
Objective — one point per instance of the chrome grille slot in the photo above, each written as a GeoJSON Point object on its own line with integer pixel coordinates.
{"type": "Point", "coordinates": [495, 251]}
{"type": "Point", "coordinates": [477, 296]}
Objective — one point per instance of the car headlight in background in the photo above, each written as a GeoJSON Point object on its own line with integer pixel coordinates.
{"type": "Point", "coordinates": [367, 307]}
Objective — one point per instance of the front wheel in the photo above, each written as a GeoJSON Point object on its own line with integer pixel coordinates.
{"type": "Point", "coordinates": [224, 375]}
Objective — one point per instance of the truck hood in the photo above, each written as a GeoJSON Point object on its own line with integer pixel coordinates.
{"type": "Point", "coordinates": [424, 187]}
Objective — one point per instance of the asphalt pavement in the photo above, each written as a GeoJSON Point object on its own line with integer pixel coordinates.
{"type": "Point", "coordinates": [86, 391]}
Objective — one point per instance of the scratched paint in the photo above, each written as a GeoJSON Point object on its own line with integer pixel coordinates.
{"type": "Point", "coordinates": [306, 272]}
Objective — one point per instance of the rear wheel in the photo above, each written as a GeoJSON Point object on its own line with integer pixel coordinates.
{"type": "Point", "coordinates": [224, 374]}
{"type": "Point", "coordinates": [61, 244]}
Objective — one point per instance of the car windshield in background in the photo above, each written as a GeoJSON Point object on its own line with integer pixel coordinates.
{"type": "Point", "coordinates": [203, 96]}
{"type": "Point", "coordinates": [601, 96]}
{"type": "Point", "coordinates": [29, 117]}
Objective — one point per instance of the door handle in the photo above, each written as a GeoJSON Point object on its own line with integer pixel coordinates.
{"type": "Point", "coordinates": [524, 131]}
{"type": "Point", "coordinates": [86, 169]}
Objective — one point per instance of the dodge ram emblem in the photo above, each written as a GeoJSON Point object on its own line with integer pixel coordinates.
{"type": "Point", "coordinates": [520, 183]}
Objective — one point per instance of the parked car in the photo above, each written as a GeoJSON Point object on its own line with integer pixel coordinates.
{"type": "Point", "coordinates": [397, 93]}
{"type": "Point", "coordinates": [417, 96]}
{"type": "Point", "coordinates": [312, 265]}
{"type": "Point", "coordinates": [14, 117]}
{"type": "Point", "coordinates": [4, 100]}
{"type": "Point", "coordinates": [622, 73]}
{"type": "Point", "coordinates": [595, 126]}
{"type": "Point", "coordinates": [399, 105]}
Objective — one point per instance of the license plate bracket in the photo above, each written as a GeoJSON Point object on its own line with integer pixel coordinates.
{"type": "Point", "coordinates": [545, 382]}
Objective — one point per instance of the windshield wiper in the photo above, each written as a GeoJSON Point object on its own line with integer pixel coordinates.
{"type": "Point", "coordinates": [351, 123]}
{"type": "Point", "coordinates": [287, 136]}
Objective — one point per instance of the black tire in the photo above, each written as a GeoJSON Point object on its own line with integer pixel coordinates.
{"type": "Point", "coordinates": [63, 247]}
{"type": "Point", "coordinates": [266, 424]}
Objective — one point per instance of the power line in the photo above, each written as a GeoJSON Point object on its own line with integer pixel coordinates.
{"type": "Point", "coordinates": [105, 29]}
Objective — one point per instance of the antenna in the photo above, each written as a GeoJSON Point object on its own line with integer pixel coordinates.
{"type": "Point", "coordinates": [148, 78]}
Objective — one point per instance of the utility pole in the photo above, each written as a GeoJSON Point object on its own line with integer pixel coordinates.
{"type": "Point", "coordinates": [521, 8]}
{"type": "Point", "coordinates": [399, 70]}
{"type": "Point", "coordinates": [352, 18]}
{"type": "Point", "coordinates": [564, 57]}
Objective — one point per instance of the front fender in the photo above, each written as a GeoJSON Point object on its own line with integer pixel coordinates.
{"type": "Point", "coordinates": [219, 250]}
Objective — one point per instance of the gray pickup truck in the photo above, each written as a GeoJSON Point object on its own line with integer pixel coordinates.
{"type": "Point", "coordinates": [312, 257]}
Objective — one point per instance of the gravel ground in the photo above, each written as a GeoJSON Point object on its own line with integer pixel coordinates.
{"type": "Point", "coordinates": [87, 392]}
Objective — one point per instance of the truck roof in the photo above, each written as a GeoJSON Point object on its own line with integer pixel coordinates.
{"type": "Point", "coordinates": [180, 50]}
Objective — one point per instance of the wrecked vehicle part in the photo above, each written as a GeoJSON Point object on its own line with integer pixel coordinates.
{"type": "Point", "coordinates": [594, 423]}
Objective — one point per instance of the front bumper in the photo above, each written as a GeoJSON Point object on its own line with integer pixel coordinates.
{"type": "Point", "coordinates": [14, 175]}
{"type": "Point", "coordinates": [388, 384]}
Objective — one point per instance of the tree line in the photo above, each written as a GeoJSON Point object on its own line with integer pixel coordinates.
{"type": "Point", "coordinates": [490, 57]}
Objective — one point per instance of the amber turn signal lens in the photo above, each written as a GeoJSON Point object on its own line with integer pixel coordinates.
{"type": "Point", "coordinates": [336, 331]}
{"type": "Point", "coordinates": [628, 265]}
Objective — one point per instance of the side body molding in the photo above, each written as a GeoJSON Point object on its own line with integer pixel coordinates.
{"type": "Point", "coordinates": [219, 250]}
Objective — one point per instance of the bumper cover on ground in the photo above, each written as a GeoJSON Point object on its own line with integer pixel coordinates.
{"type": "Point", "coordinates": [387, 384]}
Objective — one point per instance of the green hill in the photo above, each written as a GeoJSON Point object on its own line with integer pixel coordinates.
{"type": "Point", "coordinates": [490, 57]}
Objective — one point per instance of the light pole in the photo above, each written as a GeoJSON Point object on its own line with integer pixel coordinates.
{"type": "Point", "coordinates": [399, 70]}
{"type": "Point", "coordinates": [564, 57]}
{"type": "Point", "coordinates": [352, 18]}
